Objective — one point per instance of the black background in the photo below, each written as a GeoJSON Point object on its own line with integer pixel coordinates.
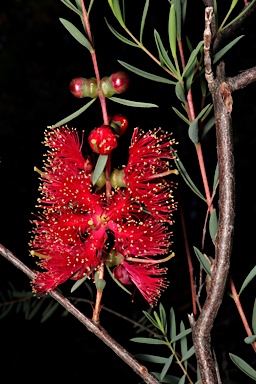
{"type": "Point", "coordinates": [38, 58]}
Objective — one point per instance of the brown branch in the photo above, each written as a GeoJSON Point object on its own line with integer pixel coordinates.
{"type": "Point", "coordinates": [223, 35]}
{"type": "Point", "coordinates": [243, 79]}
{"type": "Point", "coordinates": [89, 324]}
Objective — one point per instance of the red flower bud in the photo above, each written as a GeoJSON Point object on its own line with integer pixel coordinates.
{"type": "Point", "coordinates": [120, 81]}
{"type": "Point", "coordinates": [119, 123]}
{"type": "Point", "coordinates": [102, 140]}
{"type": "Point", "coordinates": [81, 87]}
{"type": "Point", "coordinates": [121, 274]}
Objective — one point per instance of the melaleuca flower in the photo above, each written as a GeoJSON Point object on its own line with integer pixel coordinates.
{"type": "Point", "coordinates": [150, 157]}
{"type": "Point", "coordinates": [78, 225]}
{"type": "Point", "coordinates": [147, 278]}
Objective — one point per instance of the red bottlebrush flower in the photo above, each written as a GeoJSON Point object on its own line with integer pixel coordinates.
{"type": "Point", "coordinates": [150, 157]}
{"type": "Point", "coordinates": [102, 140]}
{"type": "Point", "coordinates": [146, 277]}
{"type": "Point", "coordinates": [79, 226]}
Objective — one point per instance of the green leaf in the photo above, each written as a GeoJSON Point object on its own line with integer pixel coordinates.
{"type": "Point", "coordinates": [77, 34]}
{"type": "Point", "coordinates": [193, 132]}
{"type": "Point", "coordinates": [162, 316]}
{"type": "Point", "coordinates": [167, 379]}
{"type": "Point", "coordinates": [190, 76]}
{"type": "Point", "coordinates": [78, 283]}
{"type": "Point", "coordinates": [151, 358]}
{"type": "Point", "coordinates": [179, 91]}
{"type": "Point", "coordinates": [181, 115]}
{"type": "Point", "coordinates": [100, 283]}
{"type": "Point", "coordinates": [184, 10]}
{"type": "Point", "coordinates": [148, 340]}
{"type": "Point", "coordinates": [240, 14]}
{"type": "Point", "coordinates": [172, 31]}
{"type": "Point", "coordinates": [117, 281]}
{"type": "Point", "coordinates": [182, 380]}
{"type": "Point", "coordinates": [187, 178]}
{"type": "Point", "coordinates": [159, 322]}
{"type": "Point", "coordinates": [203, 261]}
{"type": "Point", "coordinates": [187, 355]}
{"type": "Point", "coordinates": [213, 225]}
{"type": "Point", "coordinates": [73, 115]}
{"type": "Point", "coordinates": [183, 343]}
{"type": "Point", "coordinates": [99, 168]}
{"type": "Point", "coordinates": [143, 19]}
{"type": "Point", "coordinates": [254, 317]}
{"type": "Point", "coordinates": [131, 103]}
{"type": "Point", "coordinates": [151, 319]}
{"type": "Point", "coordinates": [192, 58]}
{"type": "Point", "coordinates": [205, 112]}
{"type": "Point", "coordinates": [177, 5]}
{"type": "Point", "coordinates": [222, 52]}
{"type": "Point", "coordinates": [182, 334]}
{"type": "Point", "coordinates": [121, 37]}
{"type": "Point", "coordinates": [243, 366]}
{"type": "Point", "coordinates": [49, 311]}
{"type": "Point", "coordinates": [250, 339]}
{"type": "Point", "coordinates": [216, 176]}
{"type": "Point", "coordinates": [147, 75]}
{"type": "Point", "coordinates": [163, 54]}
{"type": "Point", "coordinates": [250, 276]}
{"type": "Point", "coordinates": [78, 4]}
{"type": "Point", "coordinates": [166, 367]}
{"type": "Point", "coordinates": [117, 11]}
{"type": "Point", "coordinates": [172, 325]}
{"type": "Point", "coordinates": [207, 127]}
{"type": "Point", "coordinates": [71, 6]}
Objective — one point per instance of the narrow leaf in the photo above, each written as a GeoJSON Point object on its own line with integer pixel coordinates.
{"type": "Point", "coordinates": [205, 112]}
{"type": "Point", "coordinates": [254, 317]}
{"type": "Point", "coordinates": [193, 132]}
{"type": "Point", "coordinates": [216, 176]}
{"type": "Point", "coordinates": [207, 127]}
{"type": "Point", "coordinates": [117, 12]}
{"type": "Point", "coordinates": [166, 367]}
{"type": "Point", "coordinates": [99, 168]}
{"type": "Point", "coordinates": [148, 340]}
{"type": "Point", "coordinates": [181, 335]}
{"type": "Point", "coordinates": [184, 10]}
{"type": "Point", "coordinates": [71, 6]}
{"type": "Point", "coordinates": [151, 358]}
{"type": "Point", "coordinates": [213, 225]}
{"type": "Point", "coordinates": [182, 380]}
{"type": "Point", "coordinates": [172, 32]}
{"type": "Point", "coordinates": [181, 115]}
{"type": "Point", "coordinates": [240, 14]}
{"type": "Point", "coordinates": [192, 58]}
{"type": "Point", "coordinates": [117, 281]}
{"type": "Point", "coordinates": [189, 353]}
{"type": "Point", "coordinates": [159, 322]}
{"type": "Point", "coordinates": [78, 283]}
{"type": "Point", "coordinates": [151, 319]}
{"type": "Point", "coordinates": [131, 103]}
{"type": "Point", "coordinates": [162, 315]}
{"type": "Point", "coordinates": [226, 49]}
{"type": "Point", "coordinates": [76, 34]}
{"type": "Point", "coordinates": [250, 276]}
{"type": "Point", "coordinates": [177, 5]}
{"type": "Point", "coordinates": [73, 115]}
{"type": "Point", "coordinates": [147, 75]}
{"type": "Point", "coordinates": [163, 54]}
{"type": "Point", "coordinates": [121, 37]}
{"type": "Point", "coordinates": [203, 261]}
{"type": "Point", "coordinates": [172, 325]}
{"type": "Point", "coordinates": [183, 343]}
{"type": "Point", "coordinates": [187, 178]}
{"type": "Point", "coordinates": [143, 19]}
{"type": "Point", "coordinates": [243, 366]}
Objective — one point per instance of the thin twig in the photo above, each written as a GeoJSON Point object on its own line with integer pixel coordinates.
{"type": "Point", "coordinates": [91, 326]}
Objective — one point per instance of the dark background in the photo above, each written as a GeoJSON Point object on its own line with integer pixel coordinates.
{"type": "Point", "coordinates": [38, 58]}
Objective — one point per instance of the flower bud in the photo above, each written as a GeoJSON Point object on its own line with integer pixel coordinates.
{"type": "Point", "coordinates": [102, 140]}
{"type": "Point", "coordinates": [106, 87]}
{"type": "Point", "coordinates": [117, 178]}
{"type": "Point", "coordinates": [121, 274]}
{"type": "Point", "coordinates": [120, 81]}
{"type": "Point", "coordinates": [81, 87]}
{"type": "Point", "coordinates": [119, 123]}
